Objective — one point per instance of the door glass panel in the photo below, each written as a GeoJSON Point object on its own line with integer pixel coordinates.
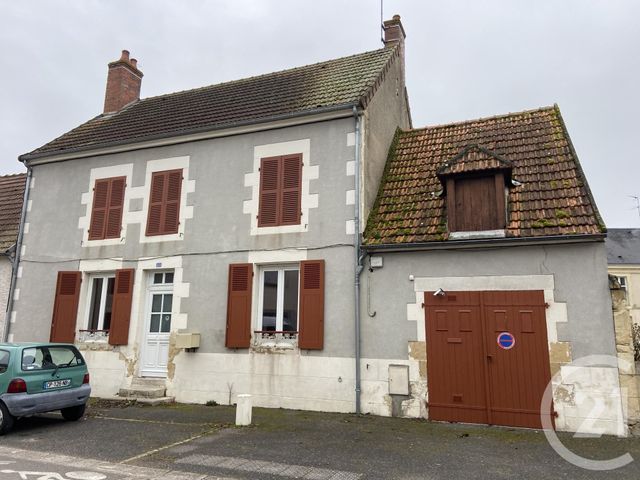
{"type": "Point", "coordinates": [156, 303]}
{"type": "Point", "coordinates": [270, 300]}
{"type": "Point", "coordinates": [168, 277]}
{"type": "Point", "coordinates": [154, 327]}
{"type": "Point", "coordinates": [290, 311]}
{"type": "Point", "coordinates": [96, 296]}
{"type": "Point", "coordinates": [166, 323]}
{"type": "Point", "coordinates": [168, 300]}
{"type": "Point", "coordinates": [157, 278]}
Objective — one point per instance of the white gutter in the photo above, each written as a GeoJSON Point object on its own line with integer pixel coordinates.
{"type": "Point", "coordinates": [282, 121]}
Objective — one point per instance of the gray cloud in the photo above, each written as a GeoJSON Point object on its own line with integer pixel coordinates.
{"type": "Point", "coordinates": [465, 59]}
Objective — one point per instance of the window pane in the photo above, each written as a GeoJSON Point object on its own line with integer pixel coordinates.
{"type": "Point", "coordinates": [155, 323]}
{"type": "Point", "coordinates": [4, 361]}
{"type": "Point", "coordinates": [157, 278]}
{"type": "Point", "coordinates": [168, 277]}
{"type": "Point", "coordinates": [168, 300]}
{"type": "Point", "coordinates": [156, 303]}
{"type": "Point", "coordinates": [290, 312]}
{"type": "Point", "coordinates": [269, 300]}
{"type": "Point", "coordinates": [166, 323]}
{"type": "Point", "coordinates": [96, 296]}
{"type": "Point", "coordinates": [106, 323]}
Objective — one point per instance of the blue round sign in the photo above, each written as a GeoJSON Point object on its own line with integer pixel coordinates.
{"type": "Point", "coordinates": [506, 340]}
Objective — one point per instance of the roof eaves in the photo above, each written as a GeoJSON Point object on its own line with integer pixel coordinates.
{"type": "Point", "coordinates": [85, 148]}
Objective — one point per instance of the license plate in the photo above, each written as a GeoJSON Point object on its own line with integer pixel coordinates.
{"type": "Point", "coordinates": [57, 383]}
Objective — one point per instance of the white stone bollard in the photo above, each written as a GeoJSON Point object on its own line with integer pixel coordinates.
{"type": "Point", "coordinates": [243, 410]}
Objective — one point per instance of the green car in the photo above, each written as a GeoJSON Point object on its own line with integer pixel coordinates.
{"type": "Point", "coordinates": [41, 377]}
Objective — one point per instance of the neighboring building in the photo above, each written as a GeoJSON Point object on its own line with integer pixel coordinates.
{"type": "Point", "coordinates": [225, 211]}
{"type": "Point", "coordinates": [11, 197]}
{"type": "Point", "coordinates": [487, 229]}
{"type": "Point", "coordinates": [623, 257]}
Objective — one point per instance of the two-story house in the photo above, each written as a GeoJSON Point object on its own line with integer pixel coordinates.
{"type": "Point", "coordinates": [227, 212]}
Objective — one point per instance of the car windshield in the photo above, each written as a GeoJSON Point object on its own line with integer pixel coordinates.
{"type": "Point", "coordinates": [50, 357]}
{"type": "Point", "coordinates": [4, 361]}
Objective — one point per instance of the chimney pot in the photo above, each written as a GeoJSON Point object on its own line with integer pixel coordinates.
{"type": "Point", "coordinates": [123, 83]}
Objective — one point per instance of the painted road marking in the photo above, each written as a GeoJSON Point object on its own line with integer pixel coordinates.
{"type": "Point", "coordinates": [268, 468]}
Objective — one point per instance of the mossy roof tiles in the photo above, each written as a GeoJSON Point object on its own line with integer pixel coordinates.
{"type": "Point", "coordinates": [552, 197]}
{"type": "Point", "coordinates": [11, 195]}
{"type": "Point", "coordinates": [342, 81]}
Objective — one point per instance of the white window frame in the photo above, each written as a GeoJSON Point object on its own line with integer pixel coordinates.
{"type": "Point", "coordinates": [103, 298]}
{"type": "Point", "coordinates": [622, 280]}
{"type": "Point", "coordinates": [280, 268]}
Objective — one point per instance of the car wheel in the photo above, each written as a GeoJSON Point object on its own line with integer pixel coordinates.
{"type": "Point", "coordinates": [6, 419]}
{"type": "Point", "coordinates": [73, 413]}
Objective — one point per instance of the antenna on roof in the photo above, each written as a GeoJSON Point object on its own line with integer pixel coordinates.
{"type": "Point", "coordinates": [382, 21]}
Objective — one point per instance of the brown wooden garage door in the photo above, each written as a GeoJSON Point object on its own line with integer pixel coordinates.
{"type": "Point", "coordinates": [472, 379]}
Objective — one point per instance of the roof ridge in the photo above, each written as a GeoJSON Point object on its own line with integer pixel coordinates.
{"type": "Point", "coordinates": [482, 119]}
{"type": "Point", "coordinates": [254, 77]}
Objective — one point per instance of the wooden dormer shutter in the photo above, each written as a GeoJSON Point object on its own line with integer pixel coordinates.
{"type": "Point", "coordinates": [164, 203]}
{"type": "Point", "coordinates": [311, 328]}
{"type": "Point", "coordinates": [239, 292]}
{"type": "Point", "coordinates": [121, 310]}
{"type": "Point", "coordinates": [280, 190]}
{"type": "Point", "coordinates": [65, 307]}
{"type": "Point", "coordinates": [106, 211]}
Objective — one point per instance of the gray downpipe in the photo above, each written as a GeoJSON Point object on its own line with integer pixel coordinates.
{"type": "Point", "coordinates": [16, 258]}
{"type": "Point", "coordinates": [358, 258]}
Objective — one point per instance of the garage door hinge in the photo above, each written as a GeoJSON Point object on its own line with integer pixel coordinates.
{"type": "Point", "coordinates": [422, 305]}
{"type": "Point", "coordinates": [546, 305]}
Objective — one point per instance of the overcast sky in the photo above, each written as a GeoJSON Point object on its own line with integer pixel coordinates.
{"type": "Point", "coordinates": [465, 59]}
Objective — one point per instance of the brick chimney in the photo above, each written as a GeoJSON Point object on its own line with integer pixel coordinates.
{"type": "Point", "coordinates": [393, 31]}
{"type": "Point", "coordinates": [123, 83]}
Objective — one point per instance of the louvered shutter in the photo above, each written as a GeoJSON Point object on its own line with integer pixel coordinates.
{"type": "Point", "coordinates": [269, 192]}
{"type": "Point", "coordinates": [171, 219]}
{"type": "Point", "coordinates": [115, 206]}
{"type": "Point", "coordinates": [311, 330]}
{"type": "Point", "coordinates": [65, 307]}
{"type": "Point", "coordinates": [290, 192]}
{"type": "Point", "coordinates": [121, 307]}
{"type": "Point", "coordinates": [154, 217]}
{"type": "Point", "coordinates": [99, 210]}
{"type": "Point", "coordinates": [239, 305]}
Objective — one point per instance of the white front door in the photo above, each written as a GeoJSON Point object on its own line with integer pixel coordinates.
{"type": "Point", "coordinates": [158, 325]}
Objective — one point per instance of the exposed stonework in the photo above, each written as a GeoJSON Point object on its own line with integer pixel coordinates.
{"type": "Point", "coordinates": [628, 372]}
{"type": "Point", "coordinates": [418, 351]}
{"type": "Point", "coordinates": [559, 355]}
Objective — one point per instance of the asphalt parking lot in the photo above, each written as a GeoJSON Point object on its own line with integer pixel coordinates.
{"type": "Point", "coordinates": [295, 444]}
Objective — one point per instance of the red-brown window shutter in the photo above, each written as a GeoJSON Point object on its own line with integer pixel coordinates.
{"type": "Point", "coordinates": [239, 305]}
{"type": "Point", "coordinates": [291, 183]}
{"type": "Point", "coordinates": [311, 329]}
{"type": "Point", "coordinates": [106, 212]}
{"type": "Point", "coordinates": [269, 192]}
{"type": "Point", "coordinates": [121, 309]}
{"type": "Point", "coordinates": [280, 190]}
{"type": "Point", "coordinates": [164, 203]}
{"type": "Point", "coordinates": [65, 307]}
{"type": "Point", "coordinates": [116, 204]}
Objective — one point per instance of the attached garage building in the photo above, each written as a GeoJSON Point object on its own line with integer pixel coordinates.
{"type": "Point", "coordinates": [493, 274]}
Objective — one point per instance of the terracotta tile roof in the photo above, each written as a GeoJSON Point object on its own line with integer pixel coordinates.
{"type": "Point", "coordinates": [343, 81]}
{"type": "Point", "coordinates": [552, 199]}
{"type": "Point", "coordinates": [473, 158]}
{"type": "Point", "coordinates": [11, 195]}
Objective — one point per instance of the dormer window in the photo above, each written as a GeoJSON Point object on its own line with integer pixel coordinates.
{"type": "Point", "coordinates": [475, 185]}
